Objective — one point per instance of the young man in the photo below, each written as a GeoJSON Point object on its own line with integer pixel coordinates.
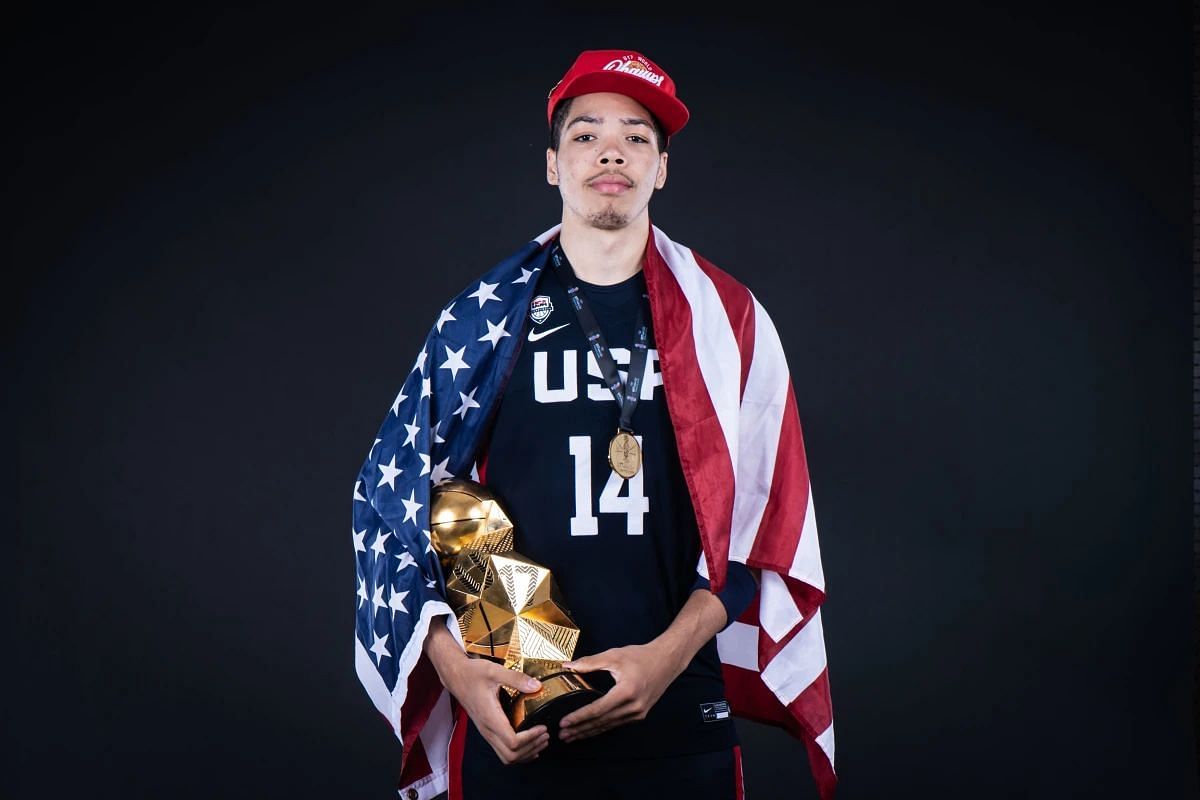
{"type": "Point", "coordinates": [648, 450]}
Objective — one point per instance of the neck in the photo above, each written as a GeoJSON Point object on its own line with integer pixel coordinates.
{"type": "Point", "coordinates": [605, 257]}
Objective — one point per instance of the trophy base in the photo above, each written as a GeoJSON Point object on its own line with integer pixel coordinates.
{"type": "Point", "coordinates": [561, 693]}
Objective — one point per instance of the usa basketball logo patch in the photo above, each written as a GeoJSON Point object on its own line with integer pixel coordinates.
{"type": "Point", "coordinates": [540, 309]}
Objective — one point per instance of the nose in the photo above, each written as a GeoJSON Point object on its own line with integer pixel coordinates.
{"type": "Point", "coordinates": [610, 154]}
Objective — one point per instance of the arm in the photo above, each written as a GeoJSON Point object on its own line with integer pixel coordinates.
{"type": "Point", "coordinates": [401, 612]}
{"type": "Point", "coordinates": [475, 683]}
{"type": "Point", "coordinates": [643, 672]}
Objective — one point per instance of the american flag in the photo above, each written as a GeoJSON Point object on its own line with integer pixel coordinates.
{"type": "Point", "coordinates": [733, 408]}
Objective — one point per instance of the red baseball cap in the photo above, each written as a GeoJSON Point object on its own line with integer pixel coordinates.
{"type": "Point", "coordinates": [624, 72]}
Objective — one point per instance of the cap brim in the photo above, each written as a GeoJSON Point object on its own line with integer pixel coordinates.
{"type": "Point", "coordinates": [670, 111]}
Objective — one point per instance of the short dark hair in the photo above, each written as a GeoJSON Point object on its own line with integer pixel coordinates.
{"type": "Point", "coordinates": [559, 119]}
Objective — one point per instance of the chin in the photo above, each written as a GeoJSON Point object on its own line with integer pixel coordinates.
{"type": "Point", "coordinates": [608, 220]}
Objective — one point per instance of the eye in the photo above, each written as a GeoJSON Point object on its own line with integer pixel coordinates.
{"type": "Point", "coordinates": [584, 137]}
{"type": "Point", "coordinates": [639, 139]}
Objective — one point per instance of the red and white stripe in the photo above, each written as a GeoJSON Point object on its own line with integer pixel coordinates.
{"type": "Point", "coordinates": [419, 709]}
{"type": "Point", "coordinates": [732, 404]}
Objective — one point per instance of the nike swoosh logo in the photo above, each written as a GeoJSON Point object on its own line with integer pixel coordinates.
{"type": "Point", "coordinates": [535, 335]}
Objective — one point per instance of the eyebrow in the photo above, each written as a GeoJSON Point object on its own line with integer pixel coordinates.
{"type": "Point", "coordinates": [600, 120]}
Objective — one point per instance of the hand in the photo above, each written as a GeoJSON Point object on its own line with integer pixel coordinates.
{"type": "Point", "coordinates": [475, 683]}
{"type": "Point", "coordinates": [642, 673]}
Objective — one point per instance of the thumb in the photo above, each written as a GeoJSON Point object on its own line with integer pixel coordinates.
{"type": "Point", "coordinates": [516, 680]}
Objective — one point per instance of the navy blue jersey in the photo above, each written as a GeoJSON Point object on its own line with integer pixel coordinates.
{"type": "Point", "coordinates": [623, 552]}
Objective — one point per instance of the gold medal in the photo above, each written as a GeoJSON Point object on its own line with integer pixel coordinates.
{"type": "Point", "coordinates": [625, 454]}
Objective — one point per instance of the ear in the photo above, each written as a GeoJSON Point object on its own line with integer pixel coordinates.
{"type": "Point", "coordinates": [660, 179]}
{"type": "Point", "coordinates": [551, 167]}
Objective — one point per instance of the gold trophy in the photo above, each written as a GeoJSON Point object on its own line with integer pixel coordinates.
{"type": "Point", "coordinates": [509, 608]}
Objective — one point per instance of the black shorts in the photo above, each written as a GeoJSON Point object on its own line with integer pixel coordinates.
{"type": "Point", "coordinates": [697, 776]}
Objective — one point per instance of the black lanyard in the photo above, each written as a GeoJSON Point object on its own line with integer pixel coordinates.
{"type": "Point", "coordinates": [626, 395]}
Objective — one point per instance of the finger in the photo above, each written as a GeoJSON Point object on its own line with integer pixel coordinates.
{"type": "Point", "coordinates": [597, 708]}
{"type": "Point", "coordinates": [515, 680]}
{"type": "Point", "coordinates": [499, 728]}
{"type": "Point", "coordinates": [490, 716]}
{"type": "Point", "coordinates": [512, 747]}
{"type": "Point", "coordinates": [588, 663]}
{"type": "Point", "coordinates": [532, 748]}
{"type": "Point", "coordinates": [598, 726]}
{"type": "Point", "coordinates": [500, 732]}
{"type": "Point", "coordinates": [524, 738]}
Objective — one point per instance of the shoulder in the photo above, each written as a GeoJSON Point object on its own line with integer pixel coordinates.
{"type": "Point", "coordinates": [509, 275]}
{"type": "Point", "coordinates": [725, 284]}
{"type": "Point", "coordinates": [503, 287]}
{"type": "Point", "coordinates": [690, 266]}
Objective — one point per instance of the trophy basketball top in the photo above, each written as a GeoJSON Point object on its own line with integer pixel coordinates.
{"type": "Point", "coordinates": [465, 515]}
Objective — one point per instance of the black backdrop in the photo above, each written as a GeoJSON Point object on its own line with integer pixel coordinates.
{"type": "Point", "coordinates": [230, 229]}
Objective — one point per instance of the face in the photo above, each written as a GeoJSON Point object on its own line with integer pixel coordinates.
{"type": "Point", "coordinates": [607, 164]}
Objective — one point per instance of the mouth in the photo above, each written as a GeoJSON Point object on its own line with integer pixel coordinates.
{"type": "Point", "coordinates": [611, 184]}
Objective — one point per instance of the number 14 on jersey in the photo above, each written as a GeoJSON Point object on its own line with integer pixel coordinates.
{"type": "Point", "coordinates": [633, 505]}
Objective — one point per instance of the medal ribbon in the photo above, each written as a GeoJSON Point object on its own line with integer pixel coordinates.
{"type": "Point", "coordinates": [625, 394]}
